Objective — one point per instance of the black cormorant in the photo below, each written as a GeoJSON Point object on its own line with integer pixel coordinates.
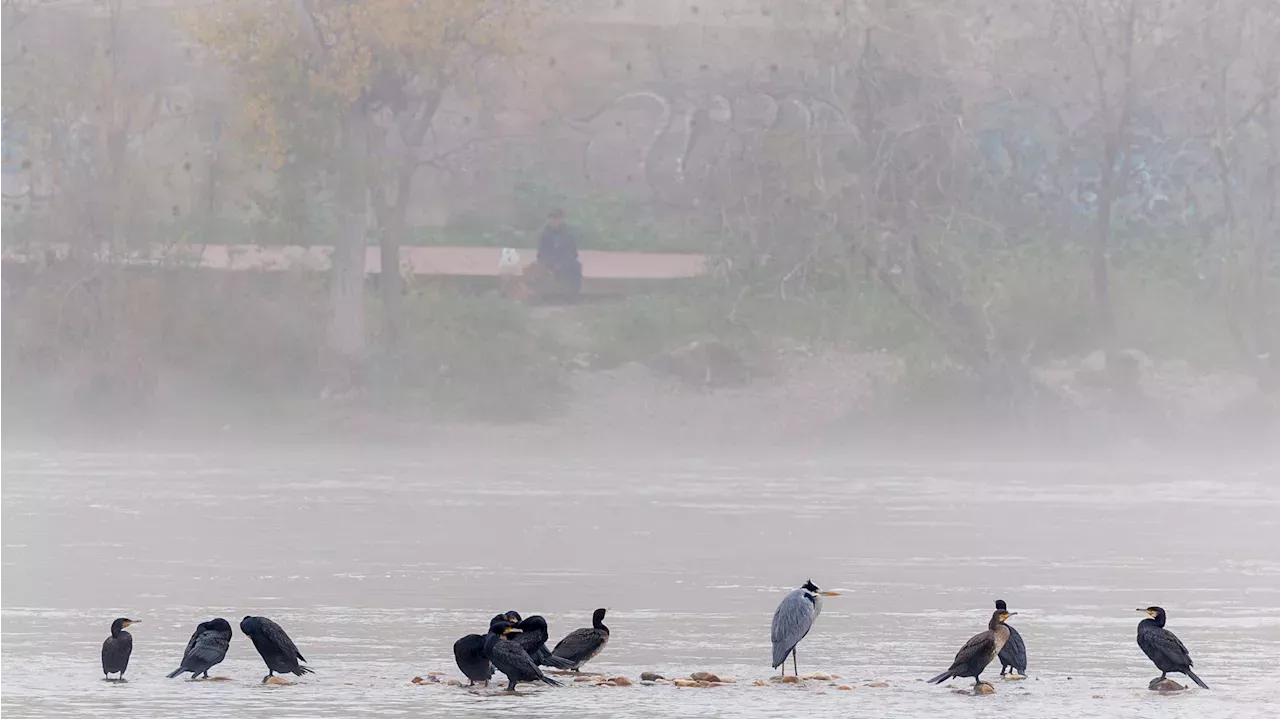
{"type": "Point", "coordinates": [510, 658]}
{"type": "Point", "coordinates": [277, 649]}
{"type": "Point", "coordinates": [532, 637]}
{"type": "Point", "coordinates": [468, 652]}
{"type": "Point", "coordinates": [117, 648]}
{"type": "Point", "coordinates": [978, 652]}
{"type": "Point", "coordinates": [1164, 649]}
{"type": "Point", "coordinates": [208, 646]}
{"type": "Point", "coordinates": [582, 645]}
{"type": "Point", "coordinates": [1014, 654]}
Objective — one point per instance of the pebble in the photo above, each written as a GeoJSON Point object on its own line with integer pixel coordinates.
{"type": "Point", "coordinates": [759, 683]}
{"type": "Point", "coordinates": [650, 676]}
{"type": "Point", "coordinates": [844, 688]}
{"type": "Point", "coordinates": [1013, 677]}
{"type": "Point", "coordinates": [878, 685]}
{"type": "Point", "coordinates": [984, 689]}
{"type": "Point", "coordinates": [279, 681]}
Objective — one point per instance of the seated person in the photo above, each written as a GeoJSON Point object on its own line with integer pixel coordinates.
{"type": "Point", "coordinates": [558, 252]}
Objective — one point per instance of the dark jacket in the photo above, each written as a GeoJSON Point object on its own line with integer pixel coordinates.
{"type": "Point", "coordinates": [557, 248]}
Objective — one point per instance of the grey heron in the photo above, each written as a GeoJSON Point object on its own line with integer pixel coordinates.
{"type": "Point", "coordinates": [1163, 647]}
{"type": "Point", "coordinates": [1014, 654]}
{"type": "Point", "coordinates": [793, 620]}
{"type": "Point", "coordinates": [979, 651]}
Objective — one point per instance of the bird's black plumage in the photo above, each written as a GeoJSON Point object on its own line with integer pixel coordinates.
{"type": "Point", "coordinates": [276, 648]}
{"type": "Point", "coordinates": [532, 637]}
{"type": "Point", "coordinates": [1014, 653]}
{"type": "Point", "coordinates": [582, 645]}
{"type": "Point", "coordinates": [979, 651]}
{"type": "Point", "coordinates": [1163, 647]}
{"type": "Point", "coordinates": [510, 658]}
{"type": "Point", "coordinates": [469, 653]}
{"type": "Point", "coordinates": [117, 648]}
{"type": "Point", "coordinates": [208, 646]}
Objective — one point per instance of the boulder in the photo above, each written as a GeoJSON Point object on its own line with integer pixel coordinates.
{"type": "Point", "coordinates": [983, 689]}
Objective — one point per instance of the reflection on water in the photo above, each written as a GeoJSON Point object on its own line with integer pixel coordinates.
{"type": "Point", "coordinates": [375, 564]}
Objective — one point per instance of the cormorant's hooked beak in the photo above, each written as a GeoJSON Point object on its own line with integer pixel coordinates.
{"type": "Point", "coordinates": [829, 594]}
{"type": "Point", "coordinates": [131, 622]}
{"type": "Point", "coordinates": [1148, 611]}
{"type": "Point", "coordinates": [512, 630]}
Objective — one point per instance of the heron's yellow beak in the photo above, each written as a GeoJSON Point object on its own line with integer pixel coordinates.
{"type": "Point", "coordinates": [829, 594]}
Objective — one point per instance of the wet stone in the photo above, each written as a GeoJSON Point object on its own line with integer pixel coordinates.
{"type": "Point", "coordinates": [279, 682]}
{"type": "Point", "coordinates": [1167, 686]}
{"type": "Point", "coordinates": [818, 677]}
{"type": "Point", "coordinates": [1013, 677]}
{"type": "Point", "coordinates": [685, 683]}
{"type": "Point", "coordinates": [844, 688]}
{"type": "Point", "coordinates": [621, 681]}
{"type": "Point", "coordinates": [704, 677]}
{"type": "Point", "coordinates": [650, 676]}
{"type": "Point", "coordinates": [791, 679]}
{"type": "Point", "coordinates": [983, 689]}
{"type": "Point", "coordinates": [878, 685]}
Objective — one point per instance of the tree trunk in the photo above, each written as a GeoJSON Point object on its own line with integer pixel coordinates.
{"type": "Point", "coordinates": [391, 224]}
{"type": "Point", "coordinates": [346, 337]}
{"type": "Point", "coordinates": [391, 212]}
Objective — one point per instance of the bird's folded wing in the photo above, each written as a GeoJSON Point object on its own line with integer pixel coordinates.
{"type": "Point", "coordinates": [577, 642]}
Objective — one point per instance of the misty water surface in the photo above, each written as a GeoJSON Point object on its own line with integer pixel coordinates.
{"type": "Point", "coordinates": [376, 564]}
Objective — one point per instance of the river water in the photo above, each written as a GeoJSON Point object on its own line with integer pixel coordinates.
{"type": "Point", "coordinates": [376, 563]}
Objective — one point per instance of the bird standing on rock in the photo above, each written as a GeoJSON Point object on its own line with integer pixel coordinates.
{"type": "Point", "coordinates": [208, 646]}
{"type": "Point", "coordinates": [277, 649]}
{"type": "Point", "coordinates": [510, 658]}
{"type": "Point", "coordinates": [979, 651]}
{"type": "Point", "coordinates": [1013, 656]}
{"type": "Point", "coordinates": [532, 637]}
{"type": "Point", "coordinates": [117, 649]}
{"type": "Point", "coordinates": [582, 645]}
{"type": "Point", "coordinates": [1163, 647]}
{"type": "Point", "coordinates": [792, 621]}
{"type": "Point", "coordinates": [468, 652]}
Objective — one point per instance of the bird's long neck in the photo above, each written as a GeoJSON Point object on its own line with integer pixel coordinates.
{"type": "Point", "coordinates": [1159, 620]}
{"type": "Point", "coordinates": [598, 623]}
{"type": "Point", "coordinates": [817, 604]}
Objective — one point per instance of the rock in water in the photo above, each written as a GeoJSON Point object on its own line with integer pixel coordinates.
{"type": "Point", "coordinates": [878, 685]}
{"type": "Point", "coordinates": [844, 688]}
{"type": "Point", "coordinates": [279, 681]}
{"type": "Point", "coordinates": [704, 677]}
{"type": "Point", "coordinates": [685, 683]}
{"type": "Point", "coordinates": [983, 690]}
{"type": "Point", "coordinates": [651, 676]}
{"type": "Point", "coordinates": [1167, 686]}
{"type": "Point", "coordinates": [791, 679]}
{"type": "Point", "coordinates": [621, 681]}
{"type": "Point", "coordinates": [1013, 677]}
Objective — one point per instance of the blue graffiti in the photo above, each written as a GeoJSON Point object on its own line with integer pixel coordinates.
{"type": "Point", "coordinates": [1032, 162]}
